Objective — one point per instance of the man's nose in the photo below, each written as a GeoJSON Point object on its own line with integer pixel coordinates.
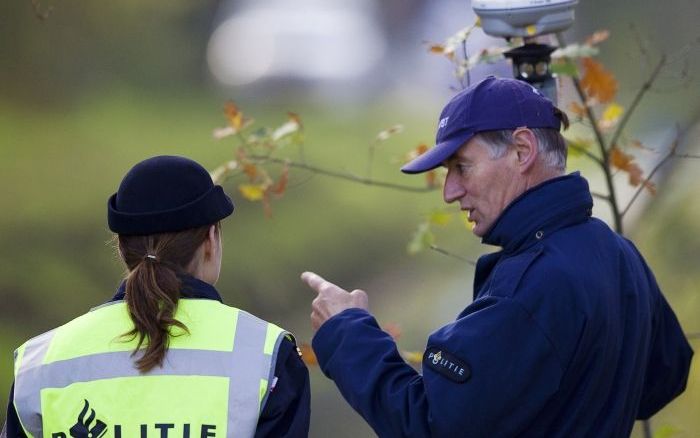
{"type": "Point", "coordinates": [452, 190]}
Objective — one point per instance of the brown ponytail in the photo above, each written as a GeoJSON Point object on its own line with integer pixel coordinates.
{"type": "Point", "coordinates": [153, 287]}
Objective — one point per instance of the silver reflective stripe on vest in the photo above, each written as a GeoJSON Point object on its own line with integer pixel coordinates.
{"type": "Point", "coordinates": [245, 366]}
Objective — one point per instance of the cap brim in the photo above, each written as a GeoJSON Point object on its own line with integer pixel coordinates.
{"type": "Point", "coordinates": [437, 155]}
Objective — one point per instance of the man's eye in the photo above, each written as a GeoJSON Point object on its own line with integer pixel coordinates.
{"type": "Point", "coordinates": [463, 168]}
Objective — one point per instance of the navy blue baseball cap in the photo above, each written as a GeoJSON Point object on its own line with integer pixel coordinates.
{"type": "Point", "coordinates": [166, 194]}
{"type": "Point", "coordinates": [490, 105]}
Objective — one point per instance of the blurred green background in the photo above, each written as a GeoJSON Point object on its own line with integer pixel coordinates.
{"type": "Point", "coordinates": [96, 87]}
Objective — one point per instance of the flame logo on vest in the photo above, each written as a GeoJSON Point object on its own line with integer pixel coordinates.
{"type": "Point", "coordinates": [88, 427]}
{"type": "Point", "coordinates": [437, 357]}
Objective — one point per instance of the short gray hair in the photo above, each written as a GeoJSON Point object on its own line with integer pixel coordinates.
{"type": "Point", "coordinates": [550, 144]}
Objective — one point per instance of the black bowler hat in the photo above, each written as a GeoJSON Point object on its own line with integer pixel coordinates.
{"type": "Point", "coordinates": [166, 194]}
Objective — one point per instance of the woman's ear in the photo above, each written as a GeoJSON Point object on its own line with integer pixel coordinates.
{"type": "Point", "coordinates": [526, 148]}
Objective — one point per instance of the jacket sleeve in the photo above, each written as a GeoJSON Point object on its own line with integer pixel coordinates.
{"type": "Point", "coordinates": [287, 411]}
{"type": "Point", "coordinates": [669, 361]}
{"type": "Point", "coordinates": [12, 427]}
{"type": "Point", "coordinates": [510, 365]}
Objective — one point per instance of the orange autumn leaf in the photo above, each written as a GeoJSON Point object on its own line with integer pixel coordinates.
{"type": "Point", "coordinates": [235, 117]}
{"type": "Point", "coordinates": [416, 152]}
{"type": "Point", "coordinates": [251, 170]}
{"type": "Point", "coordinates": [281, 185]}
{"type": "Point", "coordinates": [626, 163]}
{"type": "Point", "coordinates": [577, 109]}
{"type": "Point", "coordinates": [431, 178]}
{"type": "Point", "coordinates": [294, 117]}
{"type": "Point", "coordinates": [442, 49]}
{"type": "Point", "coordinates": [307, 354]}
{"type": "Point", "coordinates": [436, 48]}
{"type": "Point", "coordinates": [598, 83]}
{"type": "Point", "coordinates": [233, 114]}
{"type": "Point", "coordinates": [393, 329]}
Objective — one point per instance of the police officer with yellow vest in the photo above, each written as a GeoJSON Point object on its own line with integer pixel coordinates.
{"type": "Point", "coordinates": [165, 357]}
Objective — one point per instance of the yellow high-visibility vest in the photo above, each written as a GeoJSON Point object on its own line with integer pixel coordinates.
{"type": "Point", "coordinates": [79, 380]}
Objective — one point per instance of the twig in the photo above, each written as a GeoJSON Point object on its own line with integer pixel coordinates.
{"type": "Point", "coordinates": [586, 153]}
{"type": "Point", "coordinates": [600, 196]}
{"type": "Point", "coordinates": [449, 254]}
{"type": "Point", "coordinates": [695, 335]}
{"type": "Point", "coordinates": [646, 181]}
{"type": "Point", "coordinates": [637, 99]}
{"type": "Point", "coordinates": [342, 175]}
{"type": "Point", "coordinates": [605, 162]}
{"type": "Point", "coordinates": [466, 58]}
{"type": "Point", "coordinates": [687, 156]}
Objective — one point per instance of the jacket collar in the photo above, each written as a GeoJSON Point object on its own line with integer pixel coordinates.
{"type": "Point", "coordinates": [191, 288]}
{"type": "Point", "coordinates": [552, 205]}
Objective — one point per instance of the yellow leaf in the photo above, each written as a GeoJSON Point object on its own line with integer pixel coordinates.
{"type": "Point", "coordinates": [598, 83]}
{"type": "Point", "coordinates": [611, 115]}
{"type": "Point", "coordinates": [577, 146]}
{"type": "Point", "coordinates": [252, 192]}
{"type": "Point", "coordinates": [440, 217]}
{"type": "Point", "coordinates": [235, 117]}
{"type": "Point", "coordinates": [413, 357]}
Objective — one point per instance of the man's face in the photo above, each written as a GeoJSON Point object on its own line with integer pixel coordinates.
{"type": "Point", "coordinates": [483, 186]}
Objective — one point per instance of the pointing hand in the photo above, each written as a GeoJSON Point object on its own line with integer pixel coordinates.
{"type": "Point", "coordinates": [331, 299]}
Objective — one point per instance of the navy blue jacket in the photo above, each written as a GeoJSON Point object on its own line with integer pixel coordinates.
{"type": "Point", "coordinates": [287, 410]}
{"type": "Point", "coordinates": [568, 336]}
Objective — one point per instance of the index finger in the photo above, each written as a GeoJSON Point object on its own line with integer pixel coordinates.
{"type": "Point", "coordinates": [313, 280]}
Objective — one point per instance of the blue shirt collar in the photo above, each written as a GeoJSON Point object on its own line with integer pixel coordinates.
{"type": "Point", "coordinates": [552, 205]}
{"type": "Point", "coordinates": [191, 288]}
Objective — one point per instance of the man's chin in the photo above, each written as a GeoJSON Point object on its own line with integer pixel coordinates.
{"type": "Point", "coordinates": [477, 229]}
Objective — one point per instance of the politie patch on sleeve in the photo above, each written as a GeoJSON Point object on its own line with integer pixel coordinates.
{"type": "Point", "coordinates": [445, 363]}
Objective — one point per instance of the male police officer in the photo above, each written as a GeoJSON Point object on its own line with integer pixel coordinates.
{"type": "Point", "coordinates": [568, 334]}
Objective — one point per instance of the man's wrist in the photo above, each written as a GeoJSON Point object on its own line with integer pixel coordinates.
{"type": "Point", "coordinates": [327, 337]}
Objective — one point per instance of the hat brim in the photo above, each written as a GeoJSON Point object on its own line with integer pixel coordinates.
{"type": "Point", "coordinates": [436, 156]}
{"type": "Point", "coordinates": [208, 209]}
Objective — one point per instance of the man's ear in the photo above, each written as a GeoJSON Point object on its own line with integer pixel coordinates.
{"type": "Point", "coordinates": [526, 148]}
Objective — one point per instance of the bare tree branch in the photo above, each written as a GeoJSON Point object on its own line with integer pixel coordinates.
{"type": "Point", "coordinates": [643, 185]}
{"type": "Point", "coordinates": [449, 254]}
{"type": "Point", "coordinates": [600, 196]}
{"type": "Point", "coordinates": [586, 153]}
{"type": "Point", "coordinates": [342, 175]}
{"type": "Point", "coordinates": [605, 161]}
{"type": "Point", "coordinates": [637, 99]}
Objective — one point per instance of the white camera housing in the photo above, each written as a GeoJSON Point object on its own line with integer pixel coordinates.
{"type": "Point", "coordinates": [524, 18]}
